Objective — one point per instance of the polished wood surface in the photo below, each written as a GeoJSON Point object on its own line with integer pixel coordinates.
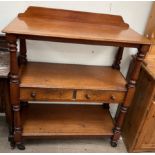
{"type": "Point", "coordinates": [85, 82]}
{"type": "Point", "coordinates": [35, 94]}
{"type": "Point", "coordinates": [68, 76]}
{"type": "Point", "coordinates": [74, 25]}
{"type": "Point", "coordinates": [66, 95]}
{"type": "Point", "coordinates": [71, 120]}
{"type": "Point", "coordinates": [100, 96]}
{"type": "Point", "coordinates": [138, 129]}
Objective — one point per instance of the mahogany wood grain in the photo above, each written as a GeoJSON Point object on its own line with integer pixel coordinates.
{"type": "Point", "coordinates": [14, 87]}
{"type": "Point", "coordinates": [44, 94]}
{"type": "Point", "coordinates": [100, 96]}
{"type": "Point", "coordinates": [73, 26]}
{"type": "Point", "coordinates": [74, 16]}
{"type": "Point", "coordinates": [130, 92]}
{"type": "Point", "coordinates": [35, 94]}
{"type": "Point", "coordinates": [69, 76]}
{"type": "Point", "coordinates": [66, 120]}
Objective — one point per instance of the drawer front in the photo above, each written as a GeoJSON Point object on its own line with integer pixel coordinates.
{"type": "Point", "coordinates": [100, 96]}
{"type": "Point", "coordinates": [32, 94]}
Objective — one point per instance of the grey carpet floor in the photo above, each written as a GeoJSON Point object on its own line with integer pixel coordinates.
{"type": "Point", "coordinates": [59, 146]}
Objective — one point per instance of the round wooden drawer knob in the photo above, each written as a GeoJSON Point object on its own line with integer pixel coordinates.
{"type": "Point", "coordinates": [33, 94]}
{"type": "Point", "coordinates": [87, 96]}
{"type": "Point", "coordinates": [113, 98]}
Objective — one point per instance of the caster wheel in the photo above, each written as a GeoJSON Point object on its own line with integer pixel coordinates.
{"type": "Point", "coordinates": [11, 140]}
{"type": "Point", "coordinates": [113, 144]}
{"type": "Point", "coordinates": [12, 144]}
{"type": "Point", "coordinates": [21, 146]}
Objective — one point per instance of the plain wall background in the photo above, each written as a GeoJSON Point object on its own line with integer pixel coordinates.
{"type": "Point", "coordinates": [134, 13]}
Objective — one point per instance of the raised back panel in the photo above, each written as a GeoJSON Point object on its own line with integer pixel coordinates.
{"type": "Point", "coordinates": [74, 16]}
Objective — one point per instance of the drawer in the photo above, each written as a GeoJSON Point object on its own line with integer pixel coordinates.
{"type": "Point", "coordinates": [100, 96]}
{"type": "Point", "coordinates": [32, 94]}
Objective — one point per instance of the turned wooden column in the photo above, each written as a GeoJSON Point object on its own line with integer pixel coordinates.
{"type": "Point", "coordinates": [129, 95]}
{"type": "Point", "coordinates": [14, 89]}
{"type": "Point", "coordinates": [23, 50]}
{"type": "Point", "coordinates": [118, 57]}
{"type": "Point", "coordinates": [22, 61]}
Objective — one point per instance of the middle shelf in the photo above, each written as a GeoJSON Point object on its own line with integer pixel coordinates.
{"type": "Point", "coordinates": [67, 82]}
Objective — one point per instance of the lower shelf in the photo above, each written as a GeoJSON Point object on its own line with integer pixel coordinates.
{"type": "Point", "coordinates": [66, 120]}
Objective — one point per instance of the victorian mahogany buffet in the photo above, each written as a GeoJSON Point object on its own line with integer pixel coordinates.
{"type": "Point", "coordinates": [35, 81]}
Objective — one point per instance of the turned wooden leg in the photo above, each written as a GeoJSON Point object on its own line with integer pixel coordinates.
{"type": "Point", "coordinates": [118, 125]}
{"type": "Point", "coordinates": [14, 91]}
{"type": "Point", "coordinates": [23, 51]}
{"type": "Point", "coordinates": [11, 139]}
{"type": "Point", "coordinates": [129, 95]}
{"type": "Point", "coordinates": [118, 57]}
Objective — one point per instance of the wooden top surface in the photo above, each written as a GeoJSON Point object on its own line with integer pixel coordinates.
{"type": "Point", "coordinates": [58, 23]}
{"type": "Point", "coordinates": [66, 76]}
